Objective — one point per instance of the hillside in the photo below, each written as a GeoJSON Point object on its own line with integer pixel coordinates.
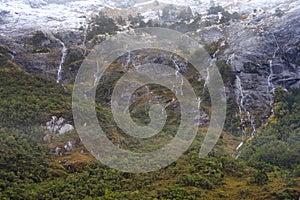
{"type": "Point", "coordinates": [255, 47]}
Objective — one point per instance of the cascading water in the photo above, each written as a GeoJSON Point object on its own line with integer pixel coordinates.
{"type": "Point", "coordinates": [177, 69]}
{"type": "Point", "coordinates": [239, 93]}
{"type": "Point", "coordinates": [12, 55]}
{"type": "Point", "coordinates": [62, 60]}
{"type": "Point", "coordinates": [207, 77]}
{"type": "Point", "coordinates": [240, 145]}
{"type": "Point", "coordinates": [240, 98]}
{"type": "Point", "coordinates": [212, 62]}
{"type": "Point", "coordinates": [64, 52]}
{"type": "Point", "coordinates": [198, 102]}
{"type": "Point", "coordinates": [271, 87]}
{"type": "Point", "coordinates": [251, 119]}
{"type": "Point", "coordinates": [96, 75]}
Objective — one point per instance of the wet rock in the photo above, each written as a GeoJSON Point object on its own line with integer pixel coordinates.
{"type": "Point", "coordinates": [265, 57]}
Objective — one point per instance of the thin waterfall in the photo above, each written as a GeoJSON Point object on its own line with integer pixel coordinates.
{"type": "Point", "coordinates": [62, 60]}
{"type": "Point", "coordinates": [251, 119]}
{"type": "Point", "coordinates": [198, 102]}
{"type": "Point", "coordinates": [239, 93]}
{"type": "Point", "coordinates": [240, 98]}
{"type": "Point", "coordinates": [271, 87]}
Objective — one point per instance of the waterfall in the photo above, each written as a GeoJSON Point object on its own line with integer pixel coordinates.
{"type": "Point", "coordinates": [199, 102]}
{"type": "Point", "coordinates": [270, 84]}
{"type": "Point", "coordinates": [237, 156]}
{"type": "Point", "coordinates": [12, 55]}
{"type": "Point", "coordinates": [250, 118]}
{"type": "Point", "coordinates": [162, 111]}
{"type": "Point", "coordinates": [206, 78]}
{"type": "Point", "coordinates": [63, 54]}
{"type": "Point", "coordinates": [177, 69]}
{"type": "Point", "coordinates": [237, 153]}
{"type": "Point", "coordinates": [271, 88]}
{"type": "Point", "coordinates": [62, 60]}
{"type": "Point", "coordinates": [240, 145]}
{"type": "Point", "coordinates": [277, 46]}
{"type": "Point", "coordinates": [240, 97]}
{"type": "Point", "coordinates": [270, 77]}
{"type": "Point", "coordinates": [128, 59]}
{"type": "Point", "coordinates": [96, 75]}
{"type": "Point", "coordinates": [86, 28]}
{"type": "Point", "coordinates": [239, 93]}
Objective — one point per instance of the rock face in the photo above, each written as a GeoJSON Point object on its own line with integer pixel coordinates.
{"type": "Point", "coordinates": [263, 49]}
{"type": "Point", "coordinates": [264, 56]}
{"type": "Point", "coordinates": [58, 125]}
{"type": "Point", "coordinates": [45, 53]}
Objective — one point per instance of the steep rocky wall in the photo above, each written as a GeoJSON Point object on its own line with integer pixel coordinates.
{"type": "Point", "coordinates": [265, 56]}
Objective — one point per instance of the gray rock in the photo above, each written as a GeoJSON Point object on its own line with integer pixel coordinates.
{"type": "Point", "coordinates": [69, 146]}
{"type": "Point", "coordinates": [65, 128]}
{"type": "Point", "coordinates": [58, 125]}
{"type": "Point", "coordinates": [264, 58]}
{"type": "Point", "coordinates": [47, 138]}
{"type": "Point", "coordinates": [60, 121]}
{"type": "Point", "coordinates": [57, 150]}
{"type": "Point", "coordinates": [202, 120]}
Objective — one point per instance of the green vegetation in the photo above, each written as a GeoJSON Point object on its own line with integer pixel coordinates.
{"type": "Point", "coordinates": [30, 100]}
{"type": "Point", "coordinates": [22, 161]}
{"type": "Point", "coordinates": [29, 171]}
{"type": "Point", "coordinates": [269, 167]}
{"type": "Point", "coordinates": [278, 142]}
{"type": "Point", "coordinates": [277, 146]}
{"type": "Point", "coordinates": [5, 58]}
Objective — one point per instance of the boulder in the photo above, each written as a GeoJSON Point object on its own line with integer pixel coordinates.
{"type": "Point", "coordinates": [69, 146]}
{"type": "Point", "coordinates": [58, 125]}
{"type": "Point", "coordinates": [65, 128]}
{"type": "Point", "coordinates": [57, 150]}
